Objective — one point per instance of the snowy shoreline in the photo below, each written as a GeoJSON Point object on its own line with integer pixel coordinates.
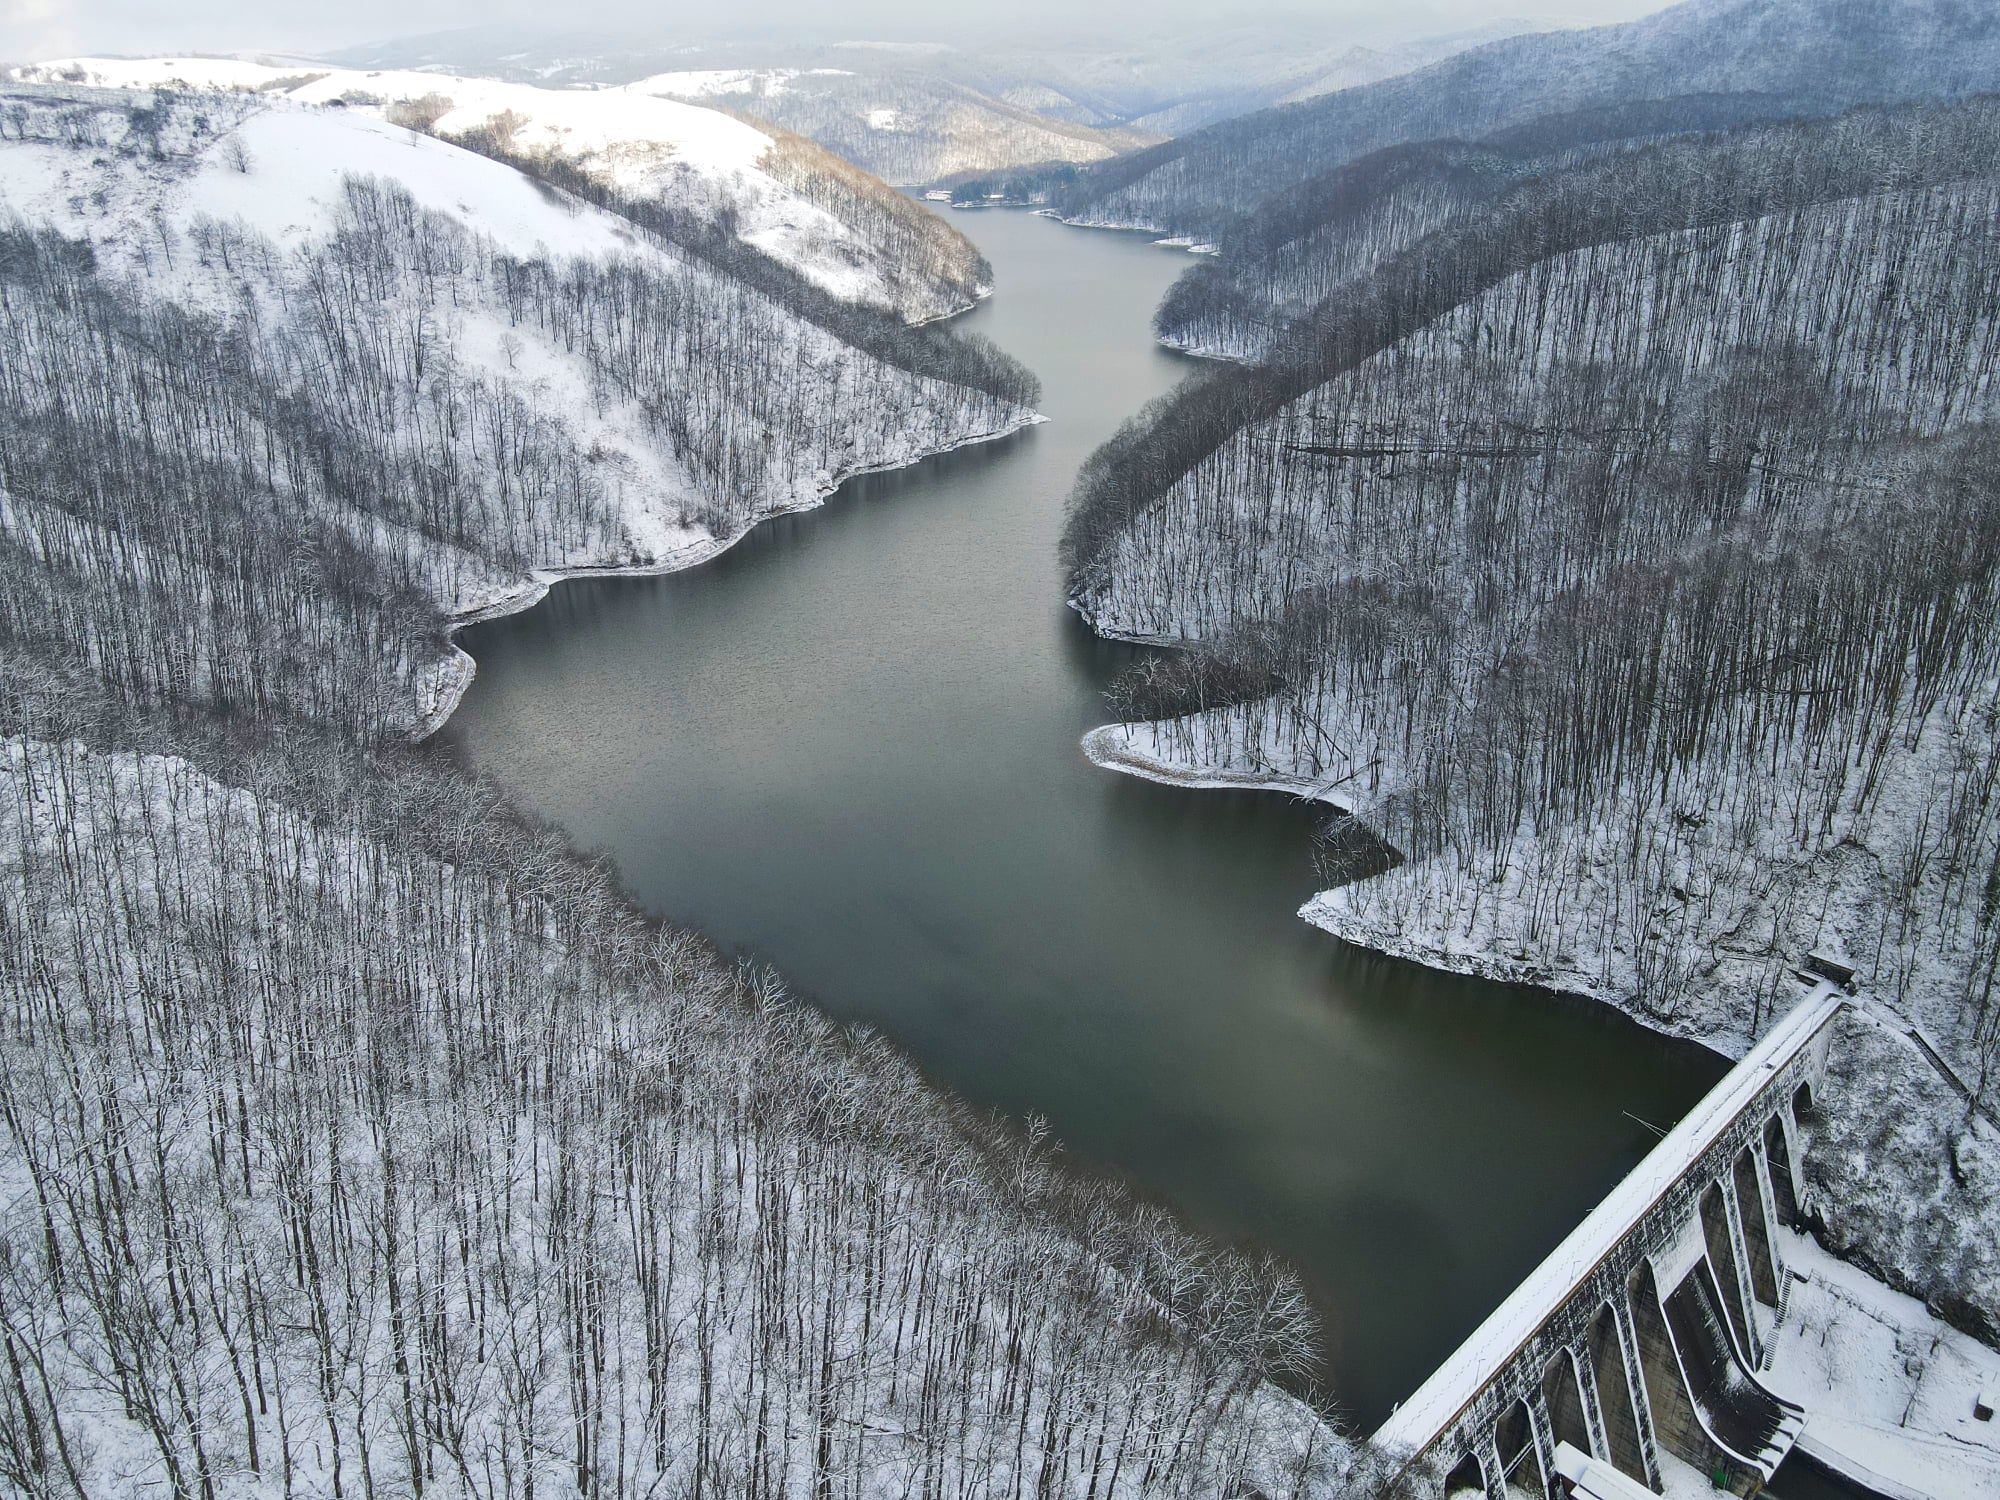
{"type": "Point", "coordinates": [1117, 747]}
{"type": "Point", "coordinates": [1110, 747]}
{"type": "Point", "coordinates": [454, 673]}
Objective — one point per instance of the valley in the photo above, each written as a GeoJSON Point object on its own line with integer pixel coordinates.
{"type": "Point", "coordinates": [677, 822]}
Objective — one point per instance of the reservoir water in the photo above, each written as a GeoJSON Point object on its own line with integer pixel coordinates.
{"type": "Point", "coordinates": [849, 747]}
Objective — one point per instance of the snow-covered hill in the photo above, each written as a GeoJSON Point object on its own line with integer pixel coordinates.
{"type": "Point", "coordinates": [1114, 80]}
{"type": "Point", "coordinates": [514, 1192]}
{"type": "Point", "coordinates": [906, 124]}
{"type": "Point", "coordinates": [385, 344]}
{"type": "Point", "coordinates": [1624, 553]}
{"type": "Point", "coordinates": [513, 1195]}
{"type": "Point", "coordinates": [797, 203]}
{"type": "Point", "coordinates": [1818, 56]}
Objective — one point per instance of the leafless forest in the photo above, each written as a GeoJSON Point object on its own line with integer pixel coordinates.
{"type": "Point", "coordinates": [1776, 58]}
{"type": "Point", "coordinates": [1623, 552]}
{"type": "Point", "coordinates": [359, 1140]}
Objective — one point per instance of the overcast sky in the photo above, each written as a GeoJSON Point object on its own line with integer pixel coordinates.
{"type": "Point", "coordinates": [33, 29]}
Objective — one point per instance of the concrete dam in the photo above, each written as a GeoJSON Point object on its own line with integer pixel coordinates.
{"type": "Point", "coordinates": [1638, 1343]}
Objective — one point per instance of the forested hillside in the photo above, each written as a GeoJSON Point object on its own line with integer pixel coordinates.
{"type": "Point", "coordinates": [235, 328]}
{"type": "Point", "coordinates": [1625, 555]}
{"type": "Point", "coordinates": [358, 1140]}
{"type": "Point", "coordinates": [1298, 247]}
{"type": "Point", "coordinates": [980, 92]}
{"type": "Point", "coordinates": [1808, 56]}
{"type": "Point", "coordinates": [757, 190]}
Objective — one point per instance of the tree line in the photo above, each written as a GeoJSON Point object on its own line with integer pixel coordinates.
{"type": "Point", "coordinates": [967, 359]}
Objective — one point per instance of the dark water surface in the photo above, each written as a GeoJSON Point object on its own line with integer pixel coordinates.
{"type": "Point", "coordinates": [849, 746]}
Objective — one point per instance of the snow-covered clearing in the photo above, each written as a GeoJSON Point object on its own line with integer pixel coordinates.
{"type": "Point", "coordinates": [1888, 1388]}
{"type": "Point", "coordinates": [694, 83]}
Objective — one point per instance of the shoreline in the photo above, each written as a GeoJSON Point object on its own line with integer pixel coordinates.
{"type": "Point", "coordinates": [456, 670]}
{"type": "Point", "coordinates": [1101, 750]}
{"type": "Point", "coordinates": [1102, 747]}
{"type": "Point", "coordinates": [1108, 747]}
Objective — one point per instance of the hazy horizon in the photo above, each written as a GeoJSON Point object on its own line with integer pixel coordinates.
{"type": "Point", "coordinates": [31, 30]}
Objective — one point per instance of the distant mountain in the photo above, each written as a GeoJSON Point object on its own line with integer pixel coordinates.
{"type": "Point", "coordinates": [926, 112]}
{"type": "Point", "coordinates": [1818, 55]}
{"type": "Point", "coordinates": [905, 124]}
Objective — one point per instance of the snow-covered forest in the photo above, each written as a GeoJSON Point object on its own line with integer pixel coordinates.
{"type": "Point", "coordinates": [1297, 248]}
{"type": "Point", "coordinates": [906, 125]}
{"type": "Point", "coordinates": [767, 194]}
{"type": "Point", "coordinates": [1623, 552]}
{"type": "Point", "coordinates": [358, 1139]}
{"type": "Point", "coordinates": [277, 333]}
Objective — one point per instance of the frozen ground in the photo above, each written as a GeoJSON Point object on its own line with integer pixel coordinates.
{"type": "Point", "coordinates": [1888, 1388]}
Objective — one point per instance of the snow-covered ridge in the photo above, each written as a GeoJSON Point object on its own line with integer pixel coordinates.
{"type": "Point", "coordinates": [909, 126]}
{"type": "Point", "coordinates": [696, 82]}
{"type": "Point", "coordinates": [686, 155]}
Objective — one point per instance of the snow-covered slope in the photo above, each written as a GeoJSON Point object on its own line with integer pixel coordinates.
{"type": "Point", "coordinates": [278, 171]}
{"type": "Point", "coordinates": [514, 1186]}
{"type": "Point", "coordinates": [781, 195]}
{"type": "Point", "coordinates": [1625, 555]}
{"type": "Point", "coordinates": [1818, 55]}
{"type": "Point", "coordinates": [388, 344]}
